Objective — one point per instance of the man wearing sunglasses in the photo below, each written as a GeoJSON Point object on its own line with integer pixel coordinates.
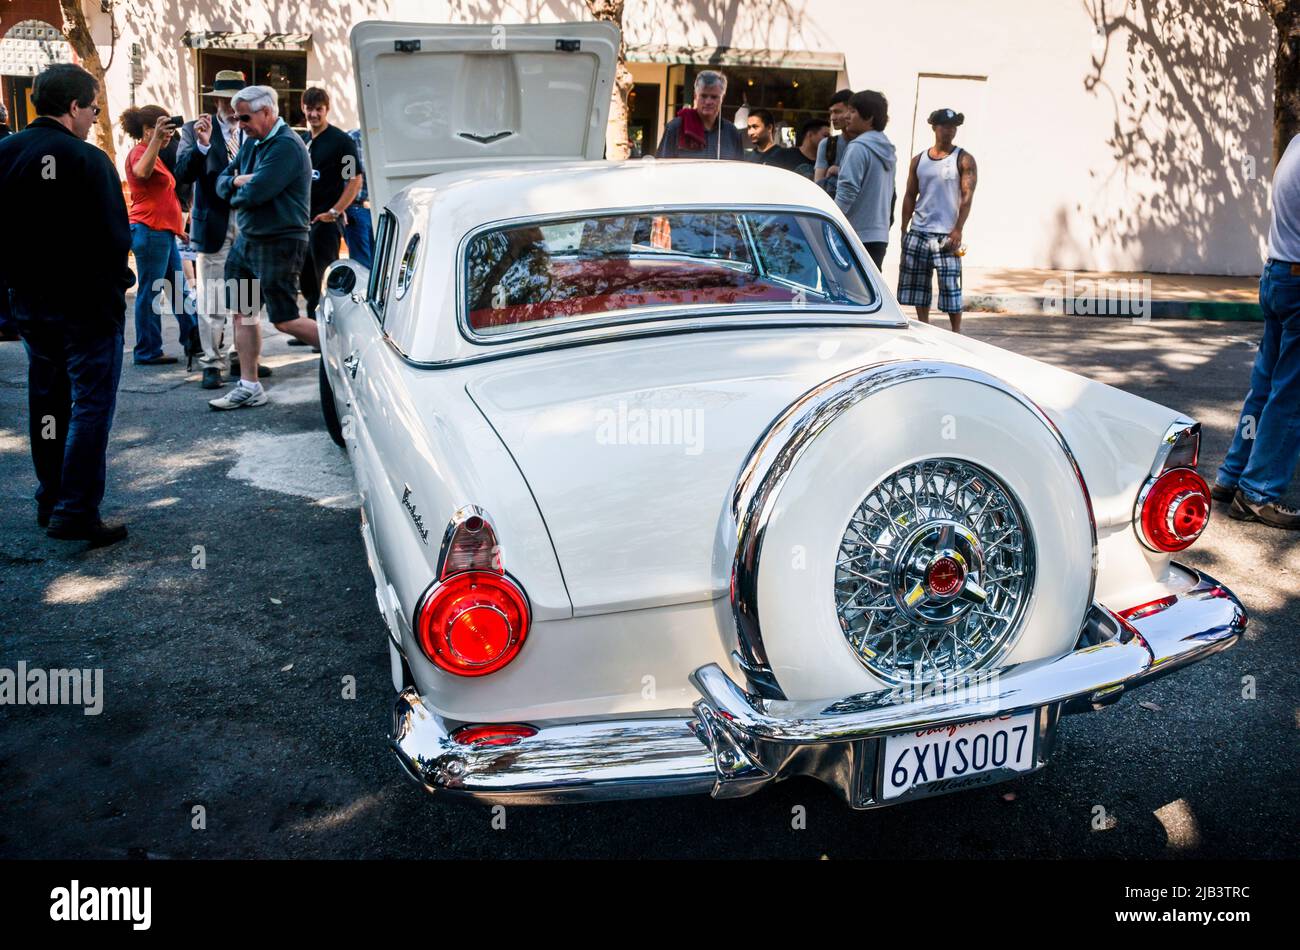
{"type": "Point", "coordinates": [70, 308]}
{"type": "Point", "coordinates": [268, 186]}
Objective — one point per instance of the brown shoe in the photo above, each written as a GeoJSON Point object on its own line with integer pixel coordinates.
{"type": "Point", "coordinates": [1269, 512]}
{"type": "Point", "coordinates": [96, 532]}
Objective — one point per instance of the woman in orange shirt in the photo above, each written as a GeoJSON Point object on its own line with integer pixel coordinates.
{"type": "Point", "coordinates": [155, 214]}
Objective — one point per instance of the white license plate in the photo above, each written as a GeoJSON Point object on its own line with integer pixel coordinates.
{"type": "Point", "coordinates": [951, 755]}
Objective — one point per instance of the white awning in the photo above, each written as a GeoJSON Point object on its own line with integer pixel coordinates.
{"type": "Point", "coordinates": [224, 39]}
{"type": "Point", "coordinates": [734, 56]}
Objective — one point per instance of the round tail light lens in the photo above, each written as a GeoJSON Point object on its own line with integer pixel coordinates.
{"type": "Point", "coordinates": [1175, 511]}
{"type": "Point", "coordinates": [473, 624]}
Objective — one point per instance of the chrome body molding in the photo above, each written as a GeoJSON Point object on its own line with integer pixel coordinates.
{"type": "Point", "coordinates": [466, 521]}
{"type": "Point", "coordinates": [1179, 430]}
{"type": "Point", "coordinates": [739, 741]}
{"type": "Point", "coordinates": [753, 495]}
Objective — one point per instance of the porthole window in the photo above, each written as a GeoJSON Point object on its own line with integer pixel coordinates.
{"type": "Point", "coordinates": [406, 270]}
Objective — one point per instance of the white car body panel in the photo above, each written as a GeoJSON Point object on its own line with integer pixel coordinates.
{"type": "Point", "coordinates": [617, 511]}
{"type": "Point", "coordinates": [646, 669]}
{"type": "Point", "coordinates": [610, 539]}
{"type": "Point", "coordinates": [636, 548]}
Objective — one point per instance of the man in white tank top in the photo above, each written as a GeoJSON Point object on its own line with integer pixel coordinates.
{"type": "Point", "coordinates": [940, 188]}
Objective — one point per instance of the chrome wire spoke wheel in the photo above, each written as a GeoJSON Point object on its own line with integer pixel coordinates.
{"type": "Point", "coordinates": [934, 572]}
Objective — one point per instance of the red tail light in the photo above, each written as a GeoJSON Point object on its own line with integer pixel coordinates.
{"type": "Point", "coordinates": [1174, 510]}
{"type": "Point", "coordinates": [496, 734]}
{"type": "Point", "coordinates": [472, 624]}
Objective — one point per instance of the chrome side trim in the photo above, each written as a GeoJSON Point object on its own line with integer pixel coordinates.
{"type": "Point", "coordinates": [739, 742]}
{"type": "Point", "coordinates": [753, 495]}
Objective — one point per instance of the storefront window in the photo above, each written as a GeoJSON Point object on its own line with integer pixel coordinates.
{"type": "Point", "coordinates": [793, 95]}
{"type": "Point", "coordinates": [285, 71]}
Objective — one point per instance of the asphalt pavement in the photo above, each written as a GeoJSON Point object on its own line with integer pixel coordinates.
{"type": "Point", "coordinates": [231, 623]}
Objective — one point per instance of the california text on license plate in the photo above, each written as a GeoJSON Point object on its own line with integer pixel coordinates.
{"type": "Point", "coordinates": [949, 753]}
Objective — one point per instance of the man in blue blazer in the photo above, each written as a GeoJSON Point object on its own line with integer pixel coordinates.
{"type": "Point", "coordinates": [207, 145]}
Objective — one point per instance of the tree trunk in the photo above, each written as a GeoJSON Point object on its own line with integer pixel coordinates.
{"type": "Point", "coordinates": [616, 143]}
{"type": "Point", "coordinates": [77, 30]}
{"type": "Point", "coordinates": [1286, 74]}
{"type": "Point", "coordinates": [1286, 79]}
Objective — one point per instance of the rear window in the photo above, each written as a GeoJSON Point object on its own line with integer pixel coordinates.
{"type": "Point", "coordinates": [587, 269]}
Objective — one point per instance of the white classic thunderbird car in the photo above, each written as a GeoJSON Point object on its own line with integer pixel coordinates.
{"type": "Point", "coordinates": [662, 494]}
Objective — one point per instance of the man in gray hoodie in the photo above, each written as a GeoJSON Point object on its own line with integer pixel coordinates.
{"type": "Point", "coordinates": [866, 187]}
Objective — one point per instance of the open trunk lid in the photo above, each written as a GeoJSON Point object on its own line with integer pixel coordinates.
{"type": "Point", "coordinates": [438, 97]}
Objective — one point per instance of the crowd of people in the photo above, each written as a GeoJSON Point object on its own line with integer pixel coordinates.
{"type": "Point", "coordinates": [263, 209]}
{"type": "Point", "coordinates": [267, 209]}
{"type": "Point", "coordinates": [856, 167]}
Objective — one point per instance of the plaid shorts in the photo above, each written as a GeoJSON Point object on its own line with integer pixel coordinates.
{"type": "Point", "coordinates": [273, 268]}
{"type": "Point", "coordinates": [919, 259]}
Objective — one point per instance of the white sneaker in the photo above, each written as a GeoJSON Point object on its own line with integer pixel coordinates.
{"type": "Point", "coordinates": [239, 398]}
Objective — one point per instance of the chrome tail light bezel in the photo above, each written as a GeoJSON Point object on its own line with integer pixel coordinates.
{"type": "Point", "coordinates": [1180, 449]}
{"type": "Point", "coordinates": [470, 547]}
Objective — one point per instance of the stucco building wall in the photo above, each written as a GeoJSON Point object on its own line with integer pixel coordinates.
{"type": "Point", "coordinates": [1110, 134]}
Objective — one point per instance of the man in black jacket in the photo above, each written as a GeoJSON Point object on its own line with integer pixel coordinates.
{"type": "Point", "coordinates": [267, 185]}
{"type": "Point", "coordinates": [208, 145]}
{"type": "Point", "coordinates": [70, 305]}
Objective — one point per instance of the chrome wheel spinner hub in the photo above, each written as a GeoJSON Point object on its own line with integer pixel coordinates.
{"type": "Point", "coordinates": [936, 572]}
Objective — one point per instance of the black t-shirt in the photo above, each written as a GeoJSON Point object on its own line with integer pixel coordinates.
{"type": "Point", "coordinates": [334, 162]}
{"type": "Point", "coordinates": [790, 159]}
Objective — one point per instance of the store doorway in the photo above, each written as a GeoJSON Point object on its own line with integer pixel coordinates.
{"type": "Point", "coordinates": [18, 97]}
{"type": "Point", "coordinates": [643, 118]}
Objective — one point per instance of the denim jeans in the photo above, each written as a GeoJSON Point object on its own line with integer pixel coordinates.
{"type": "Point", "coordinates": [72, 376]}
{"type": "Point", "coordinates": [156, 258]}
{"type": "Point", "coordinates": [1266, 446]}
{"type": "Point", "coordinates": [359, 236]}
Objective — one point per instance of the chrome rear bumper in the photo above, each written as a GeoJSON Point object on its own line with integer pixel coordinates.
{"type": "Point", "coordinates": [736, 743]}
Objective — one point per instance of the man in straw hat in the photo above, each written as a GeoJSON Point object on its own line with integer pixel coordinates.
{"type": "Point", "coordinates": [208, 145]}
